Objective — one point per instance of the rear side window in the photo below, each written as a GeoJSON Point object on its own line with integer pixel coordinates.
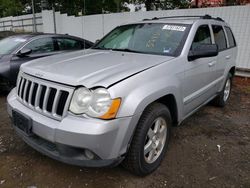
{"type": "Point", "coordinates": [68, 44]}
{"type": "Point", "coordinates": [219, 37]}
{"type": "Point", "coordinates": [230, 37]}
{"type": "Point", "coordinates": [202, 36]}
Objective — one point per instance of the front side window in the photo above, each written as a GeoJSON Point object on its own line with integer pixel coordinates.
{"type": "Point", "coordinates": [230, 37]}
{"type": "Point", "coordinates": [68, 44]}
{"type": "Point", "coordinates": [151, 38]}
{"type": "Point", "coordinates": [219, 37]}
{"type": "Point", "coordinates": [202, 36]}
{"type": "Point", "coordinates": [43, 45]}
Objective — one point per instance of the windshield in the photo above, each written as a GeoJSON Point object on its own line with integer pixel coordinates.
{"type": "Point", "coordinates": [7, 45]}
{"type": "Point", "coordinates": [151, 38]}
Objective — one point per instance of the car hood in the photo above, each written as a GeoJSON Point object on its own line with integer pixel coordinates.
{"type": "Point", "coordinates": [92, 67]}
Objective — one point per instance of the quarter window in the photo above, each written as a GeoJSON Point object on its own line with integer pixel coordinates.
{"type": "Point", "coordinates": [219, 37]}
{"type": "Point", "coordinates": [202, 36]}
{"type": "Point", "coordinates": [230, 37]}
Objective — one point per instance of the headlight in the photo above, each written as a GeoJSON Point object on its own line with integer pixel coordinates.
{"type": "Point", "coordinates": [95, 103]}
{"type": "Point", "coordinates": [100, 104]}
{"type": "Point", "coordinates": [81, 101]}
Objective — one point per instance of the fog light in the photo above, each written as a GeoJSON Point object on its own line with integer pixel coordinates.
{"type": "Point", "coordinates": [90, 155]}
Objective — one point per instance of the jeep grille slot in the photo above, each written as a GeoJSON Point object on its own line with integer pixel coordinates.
{"type": "Point", "coordinates": [48, 98]}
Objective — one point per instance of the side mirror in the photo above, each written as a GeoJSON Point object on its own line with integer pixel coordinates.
{"type": "Point", "coordinates": [203, 50]}
{"type": "Point", "coordinates": [98, 40]}
{"type": "Point", "coordinates": [24, 52]}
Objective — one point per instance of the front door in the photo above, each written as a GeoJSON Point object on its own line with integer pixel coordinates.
{"type": "Point", "coordinates": [40, 48]}
{"type": "Point", "coordinates": [197, 80]}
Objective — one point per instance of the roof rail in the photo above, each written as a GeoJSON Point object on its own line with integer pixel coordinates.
{"type": "Point", "coordinates": [206, 16]}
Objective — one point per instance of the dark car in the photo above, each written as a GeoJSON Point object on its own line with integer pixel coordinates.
{"type": "Point", "coordinates": [18, 49]}
{"type": "Point", "coordinates": [4, 34]}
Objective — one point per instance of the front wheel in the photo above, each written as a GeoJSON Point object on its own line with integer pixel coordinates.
{"type": "Point", "coordinates": [150, 141]}
{"type": "Point", "coordinates": [224, 95]}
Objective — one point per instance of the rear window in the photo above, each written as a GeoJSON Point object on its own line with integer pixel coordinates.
{"type": "Point", "coordinates": [230, 37]}
{"type": "Point", "coordinates": [219, 37]}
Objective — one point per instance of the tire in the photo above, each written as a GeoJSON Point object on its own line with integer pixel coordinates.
{"type": "Point", "coordinates": [5, 86]}
{"type": "Point", "coordinates": [145, 137]}
{"type": "Point", "coordinates": [224, 95]}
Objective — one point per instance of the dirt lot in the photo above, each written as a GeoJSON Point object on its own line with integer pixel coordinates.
{"type": "Point", "coordinates": [193, 158]}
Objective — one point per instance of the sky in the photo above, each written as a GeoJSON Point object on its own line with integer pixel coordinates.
{"type": "Point", "coordinates": [132, 7]}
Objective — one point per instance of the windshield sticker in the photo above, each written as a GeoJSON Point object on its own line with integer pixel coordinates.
{"type": "Point", "coordinates": [20, 40]}
{"type": "Point", "coordinates": [166, 50]}
{"type": "Point", "coordinates": [174, 27]}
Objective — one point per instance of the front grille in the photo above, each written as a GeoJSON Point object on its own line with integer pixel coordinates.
{"type": "Point", "coordinates": [48, 98]}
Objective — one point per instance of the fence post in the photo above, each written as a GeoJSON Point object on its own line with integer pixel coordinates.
{"type": "Point", "coordinates": [22, 25]}
{"type": "Point", "coordinates": [11, 23]}
{"type": "Point", "coordinates": [54, 19]}
{"type": "Point", "coordinates": [34, 17]}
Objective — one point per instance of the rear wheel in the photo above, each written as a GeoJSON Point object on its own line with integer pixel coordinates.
{"type": "Point", "coordinates": [150, 140]}
{"type": "Point", "coordinates": [224, 95]}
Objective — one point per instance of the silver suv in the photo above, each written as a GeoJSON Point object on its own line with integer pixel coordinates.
{"type": "Point", "coordinates": [117, 101]}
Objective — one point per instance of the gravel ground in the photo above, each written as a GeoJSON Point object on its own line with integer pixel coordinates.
{"type": "Point", "coordinates": [193, 158]}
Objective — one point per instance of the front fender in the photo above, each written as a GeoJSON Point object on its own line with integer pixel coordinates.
{"type": "Point", "coordinates": [139, 91]}
{"type": "Point", "coordinates": [5, 69]}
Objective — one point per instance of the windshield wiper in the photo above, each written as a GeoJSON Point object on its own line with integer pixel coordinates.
{"type": "Point", "coordinates": [117, 49]}
{"type": "Point", "coordinates": [125, 50]}
{"type": "Point", "coordinates": [98, 48]}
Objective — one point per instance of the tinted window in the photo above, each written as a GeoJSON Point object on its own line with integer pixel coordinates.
{"type": "Point", "coordinates": [202, 36]}
{"type": "Point", "coordinates": [152, 38]}
{"type": "Point", "coordinates": [68, 44]}
{"type": "Point", "coordinates": [86, 44]}
{"type": "Point", "coordinates": [43, 45]}
{"type": "Point", "coordinates": [219, 37]}
{"type": "Point", "coordinates": [230, 37]}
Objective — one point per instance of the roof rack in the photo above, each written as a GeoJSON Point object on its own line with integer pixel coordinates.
{"type": "Point", "coordinates": [206, 16]}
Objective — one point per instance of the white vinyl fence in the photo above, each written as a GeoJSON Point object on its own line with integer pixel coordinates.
{"type": "Point", "coordinates": [21, 23]}
{"type": "Point", "coordinates": [96, 26]}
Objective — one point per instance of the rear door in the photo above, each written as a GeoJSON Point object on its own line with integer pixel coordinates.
{"type": "Point", "coordinates": [223, 56]}
{"type": "Point", "coordinates": [197, 81]}
{"type": "Point", "coordinates": [232, 50]}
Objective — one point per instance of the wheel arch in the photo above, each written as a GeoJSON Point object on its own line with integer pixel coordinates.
{"type": "Point", "coordinates": [170, 102]}
{"type": "Point", "coordinates": [232, 70]}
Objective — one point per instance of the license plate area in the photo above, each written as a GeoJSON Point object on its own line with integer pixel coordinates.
{"type": "Point", "coordinates": [22, 122]}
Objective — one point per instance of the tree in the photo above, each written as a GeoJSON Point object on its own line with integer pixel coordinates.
{"type": "Point", "coordinates": [10, 8]}
{"type": "Point", "coordinates": [87, 7]}
{"type": "Point", "coordinates": [71, 7]}
{"type": "Point", "coordinates": [161, 4]}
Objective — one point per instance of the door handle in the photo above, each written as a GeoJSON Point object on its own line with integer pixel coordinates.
{"type": "Point", "coordinates": [211, 63]}
{"type": "Point", "coordinates": [228, 56]}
